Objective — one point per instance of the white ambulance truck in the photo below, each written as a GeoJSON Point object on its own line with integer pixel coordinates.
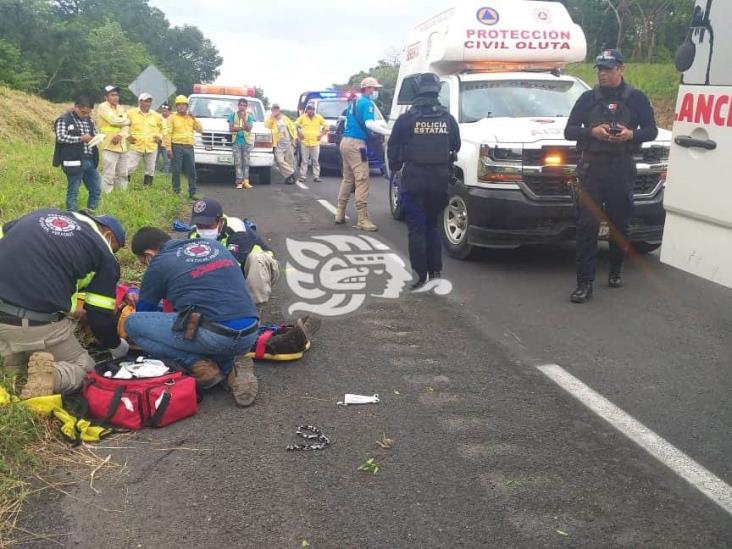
{"type": "Point", "coordinates": [212, 104]}
{"type": "Point", "coordinates": [500, 65]}
{"type": "Point", "coordinates": [698, 200]}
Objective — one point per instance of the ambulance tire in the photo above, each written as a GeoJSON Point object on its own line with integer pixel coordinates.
{"type": "Point", "coordinates": [264, 176]}
{"type": "Point", "coordinates": [644, 247]}
{"type": "Point", "coordinates": [455, 224]}
{"type": "Point", "coordinates": [394, 204]}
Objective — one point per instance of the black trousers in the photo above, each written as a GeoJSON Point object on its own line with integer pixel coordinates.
{"type": "Point", "coordinates": [423, 198]}
{"type": "Point", "coordinates": [606, 194]}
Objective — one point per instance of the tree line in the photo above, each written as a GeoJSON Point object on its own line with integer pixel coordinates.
{"type": "Point", "coordinates": [60, 48]}
{"type": "Point", "coordinates": [646, 31]}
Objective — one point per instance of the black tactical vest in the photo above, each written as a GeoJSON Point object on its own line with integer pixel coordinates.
{"type": "Point", "coordinates": [611, 111]}
{"type": "Point", "coordinates": [429, 137]}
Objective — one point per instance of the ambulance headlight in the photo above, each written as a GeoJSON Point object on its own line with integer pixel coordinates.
{"type": "Point", "coordinates": [500, 164]}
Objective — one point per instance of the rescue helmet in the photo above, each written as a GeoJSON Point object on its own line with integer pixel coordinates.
{"type": "Point", "coordinates": [181, 99]}
{"type": "Point", "coordinates": [428, 83]}
{"type": "Point", "coordinates": [370, 82]}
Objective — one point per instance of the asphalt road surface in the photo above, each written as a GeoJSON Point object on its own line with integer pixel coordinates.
{"type": "Point", "coordinates": [518, 418]}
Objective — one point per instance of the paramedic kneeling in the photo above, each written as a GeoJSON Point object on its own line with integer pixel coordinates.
{"type": "Point", "coordinates": [216, 321]}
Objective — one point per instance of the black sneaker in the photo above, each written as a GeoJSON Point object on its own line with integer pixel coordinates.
{"type": "Point", "coordinates": [316, 180]}
{"type": "Point", "coordinates": [581, 294]}
{"type": "Point", "coordinates": [615, 280]}
{"type": "Point", "coordinates": [417, 285]}
{"type": "Point", "coordinates": [290, 180]}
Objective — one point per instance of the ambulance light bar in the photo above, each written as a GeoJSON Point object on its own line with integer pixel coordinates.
{"type": "Point", "coordinates": [214, 89]}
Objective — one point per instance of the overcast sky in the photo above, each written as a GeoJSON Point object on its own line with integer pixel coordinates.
{"type": "Point", "coordinates": [288, 46]}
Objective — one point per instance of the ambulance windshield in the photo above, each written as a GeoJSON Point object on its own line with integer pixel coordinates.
{"type": "Point", "coordinates": [208, 107]}
{"type": "Point", "coordinates": [518, 98]}
{"type": "Point", "coordinates": [332, 108]}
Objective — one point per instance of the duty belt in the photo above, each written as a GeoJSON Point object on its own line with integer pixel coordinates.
{"type": "Point", "coordinates": [11, 314]}
{"type": "Point", "coordinates": [224, 331]}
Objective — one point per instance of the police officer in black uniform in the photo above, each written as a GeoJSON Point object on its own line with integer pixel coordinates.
{"type": "Point", "coordinates": [423, 144]}
{"type": "Point", "coordinates": [609, 124]}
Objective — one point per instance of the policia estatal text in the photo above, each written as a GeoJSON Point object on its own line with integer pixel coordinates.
{"type": "Point", "coordinates": [423, 145]}
{"type": "Point", "coordinates": [609, 123]}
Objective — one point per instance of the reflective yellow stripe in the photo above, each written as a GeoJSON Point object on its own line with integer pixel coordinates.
{"type": "Point", "coordinates": [80, 285]}
{"type": "Point", "coordinates": [256, 249]}
{"type": "Point", "coordinates": [100, 301]}
{"type": "Point", "coordinates": [1, 230]}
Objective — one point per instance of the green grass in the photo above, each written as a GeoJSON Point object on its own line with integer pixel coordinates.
{"type": "Point", "coordinates": [659, 81]}
{"type": "Point", "coordinates": [29, 182]}
{"type": "Point", "coordinates": [20, 432]}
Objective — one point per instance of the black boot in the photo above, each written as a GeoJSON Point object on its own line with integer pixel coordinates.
{"type": "Point", "coordinates": [581, 294]}
{"type": "Point", "coordinates": [615, 280]}
{"type": "Point", "coordinates": [435, 274]}
{"type": "Point", "coordinates": [417, 285]}
{"type": "Point", "coordinates": [148, 181]}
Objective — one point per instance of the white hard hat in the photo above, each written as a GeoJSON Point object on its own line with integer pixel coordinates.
{"type": "Point", "coordinates": [144, 97]}
{"type": "Point", "coordinates": [370, 82]}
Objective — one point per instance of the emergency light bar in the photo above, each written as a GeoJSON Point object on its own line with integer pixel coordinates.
{"type": "Point", "coordinates": [240, 91]}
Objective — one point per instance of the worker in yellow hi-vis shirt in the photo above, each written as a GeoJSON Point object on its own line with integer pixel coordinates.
{"type": "Point", "coordinates": [114, 124]}
{"type": "Point", "coordinates": [146, 133]}
{"type": "Point", "coordinates": [311, 128]}
{"type": "Point", "coordinates": [179, 144]}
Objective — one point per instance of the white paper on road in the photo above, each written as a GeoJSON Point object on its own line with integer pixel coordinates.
{"type": "Point", "coordinates": [349, 399]}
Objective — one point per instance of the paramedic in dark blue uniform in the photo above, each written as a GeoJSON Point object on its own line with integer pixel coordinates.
{"type": "Point", "coordinates": [197, 277]}
{"type": "Point", "coordinates": [609, 123]}
{"type": "Point", "coordinates": [423, 144]}
{"type": "Point", "coordinates": [48, 257]}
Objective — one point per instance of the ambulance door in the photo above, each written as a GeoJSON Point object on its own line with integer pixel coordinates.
{"type": "Point", "coordinates": [698, 196]}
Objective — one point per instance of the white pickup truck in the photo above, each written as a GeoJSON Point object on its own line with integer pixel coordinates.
{"type": "Point", "coordinates": [501, 70]}
{"type": "Point", "coordinates": [212, 105]}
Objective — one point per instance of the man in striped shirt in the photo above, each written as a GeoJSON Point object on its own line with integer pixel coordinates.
{"type": "Point", "coordinates": [74, 130]}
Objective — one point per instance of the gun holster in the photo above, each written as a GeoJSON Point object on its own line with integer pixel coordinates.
{"type": "Point", "coordinates": [188, 321]}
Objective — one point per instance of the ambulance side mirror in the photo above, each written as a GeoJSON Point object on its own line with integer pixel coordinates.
{"type": "Point", "coordinates": [685, 55]}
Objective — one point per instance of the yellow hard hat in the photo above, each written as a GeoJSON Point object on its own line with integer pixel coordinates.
{"type": "Point", "coordinates": [181, 99]}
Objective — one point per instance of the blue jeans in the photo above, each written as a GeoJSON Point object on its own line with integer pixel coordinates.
{"type": "Point", "coordinates": [153, 332]}
{"type": "Point", "coordinates": [90, 177]}
{"type": "Point", "coordinates": [241, 160]}
{"type": "Point", "coordinates": [184, 160]}
{"type": "Point", "coordinates": [163, 154]}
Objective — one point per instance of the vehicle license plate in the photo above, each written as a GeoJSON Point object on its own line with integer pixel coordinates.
{"type": "Point", "coordinates": [224, 160]}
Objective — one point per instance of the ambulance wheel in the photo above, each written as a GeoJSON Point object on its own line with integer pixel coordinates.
{"type": "Point", "coordinates": [264, 176]}
{"type": "Point", "coordinates": [394, 204]}
{"type": "Point", "coordinates": [645, 247]}
{"type": "Point", "coordinates": [455, 229]}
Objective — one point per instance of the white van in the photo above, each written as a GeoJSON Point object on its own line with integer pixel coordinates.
{"type": "Point", "coordinates": [500, 65]}
{"type": "Point", "coordinates": [698, 200]}
{"type": "Point", "coordinates": [212, 105]}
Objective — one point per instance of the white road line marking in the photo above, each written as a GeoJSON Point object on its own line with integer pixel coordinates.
{"type": "Point", "coordinates": [328, 206]}
{"type": "Point", "coordinates": [302, 185]}
{"type": "Point", "coordinates": [698, 476]}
